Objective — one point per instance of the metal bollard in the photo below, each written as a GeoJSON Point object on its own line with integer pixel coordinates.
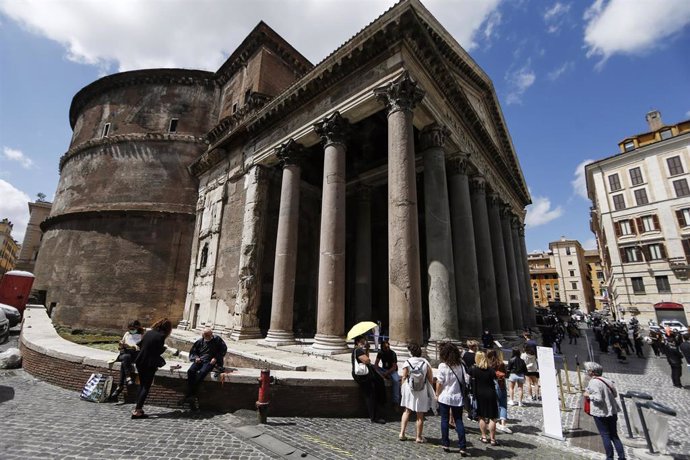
{"type": "Point", "coordinates": [631, 394]}
{"type": "Point", "coordinates": [560, 387]}
{"type": "Point", "coordinates": [567, 377]}
{"type": "Point", "coordinates": [264, 400]}
{"type": "Point", "coordinates": [655, 406]}
{"type": "Point", "coordinates": [579, 374]}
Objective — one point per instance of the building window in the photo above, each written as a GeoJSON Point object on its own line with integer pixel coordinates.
{"type": "Point", "coordinates": [106, 130]}
{"type": "Point", "coordinates": [637, 285]}
{"type": "Point", "coordinates": [624, 227]}
{"type": "Point", "coordinates": [570, 262]}
{"type": "Point", "coordinates": [573, 285]}
{"type": "Point", "coordinates": [641, 197]}
{"type": "Point", "coordinates": [630, 254]}
{"type": "Point", "coordinates": [683, 216]}
{"type": "Point", "coordinates": [646, 224]}
{"type": "Point", "coordinates": [614, 182]}
{"type": "Point", "coordinates": [173, 126]}
{"type": "Point", "coordinates": [204, 256]}
{"type": "Point", "coordinates": [636, 176]}
{"type": "Point", "coordinates": [247, 95]}
{"type": "Point", "coordinates": [572, 272]}
{"type": "Point", "coordinates": [662, 284]}
{"type": "Point", "coordinates": [681, 187]}
{"type": "Point", "coordinates": [675, 166]}
{"type": "Point", "coordinates": [573, 297]}
{"type": "Point", "coordinates": [666, 134]}
{"type": "Point", "coordinates": [234, 108]}
{"type": "Point", "coordinates": [618, 202]}
{"type": "Point", "coordinates": [655, 252]}
{"type": "Point", "coordinates": [555, 288]}
{"type": "Point", "coordinates": [629, 145]}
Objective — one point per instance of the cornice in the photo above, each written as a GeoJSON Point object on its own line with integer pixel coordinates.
{"type": "Point", "coordinates": [52, 221]}
{"type": "Point", "coordinates": [138, 77]}
{"type": "Point", "coordinates": [84, 147]}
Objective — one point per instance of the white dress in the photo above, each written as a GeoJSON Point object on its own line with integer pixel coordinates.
{"type": "Point", "coordinates": [417, 401]}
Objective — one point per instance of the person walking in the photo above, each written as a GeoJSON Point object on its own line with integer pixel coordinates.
{"type": "Point", "coordinates": [674, 357]}
{"type": "Point", "coordinates": [482, 378]}
{"type": "Point", "coordinates": [451, 389]}
{"type": "Point", "coordinates": [495, 358]}
{"type": "Point", "coordinates": [529, 356]}
{"type": "Point", "coordinates": [604, 408]}
{"type": "Point", "coordinates": [516, 376]}
{"type": "Point", "coordinates": [149, 360]}
{"type": "Point", "coordinates": [417, 391]}
{"type": "Point", "coordinates": [129, 349]}
{"type": "Point", "coordinates": [371, 384]}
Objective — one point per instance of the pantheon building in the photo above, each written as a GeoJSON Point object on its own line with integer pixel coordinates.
{"type": "Point", "coordinates": [279, 200]}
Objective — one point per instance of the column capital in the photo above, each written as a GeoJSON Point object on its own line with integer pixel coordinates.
{"type": "Point", "coordinates": [459, 164]}
{"type": "Point", "coordinates": [494, 198]}
{"type": "Point", "coordinates": [333, 129]}
{"type": "Point", "coordinates": [506, 211]}
{"type": "Point", "coordinates": [478, 183]}
{"type": "Point", "coordinates": [433, 136]}
{"type": "Point", "coordinates": [289, 153]}
{"type": "Point", "coordinates": [401, 94]}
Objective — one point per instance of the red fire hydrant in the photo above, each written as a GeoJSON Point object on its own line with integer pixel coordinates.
{"type": "Point", "coordinates": [264, 395]}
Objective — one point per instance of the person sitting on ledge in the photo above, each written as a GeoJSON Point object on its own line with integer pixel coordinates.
{"type": "Point", "coordinates": [129, 349]}
{"type": "Point", "coordinates": [207, 352]}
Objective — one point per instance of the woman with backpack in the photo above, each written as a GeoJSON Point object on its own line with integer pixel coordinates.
{"type": "Point", "coordinates": [495, 357]}
{"type": "Point", "coordinates": [516, 376]}
{"type": "Point", "coordinates": [451, 389]}
{"type": "Point", "coordinates": [529, 356]}
{"type": "Point", "coordinates": [482, 380]}
{"type": "Point", "coordinates": [417, 379]}
{"type": "Point", "coordinates": [603, 406]}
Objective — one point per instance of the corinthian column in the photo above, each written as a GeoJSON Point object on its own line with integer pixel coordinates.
{"type": "Point", "coordinates": [363, 256]}
{"type": "Point", "coordinates": [500, 269]}
{"type": "Point", "coordinates": [464, 250]}
{"type": "Point", "coordinates": [443, 314]}
{"type": "Point", "coordinates": [530, 317]}
{"type": "Point", "coordinates": [404, 285]}
{"type": "Point", "coordinates": [330, 319]}
{"type": "Point", "coordinates": [524, 288]}
{"type": "Point", "coordinates": [485, 258]}
{"type": "Point", "coordinates": [515, 300]}
{"type": "Point", "coordinates": [282, 302]}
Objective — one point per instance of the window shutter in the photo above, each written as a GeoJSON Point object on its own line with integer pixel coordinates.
{"type": "Point", "coordinates": [681, 218]}
{"type": "Point", "coordinates": [624, 255]}
{"type": "Point", "coordinates": [640, 226]}
{"type": "Point", "coordinates": [655, 218]}
{"type": "Point", "coordinates": [645, 251]}
{"type": "Point", "coordinates": [662, 249]}
{"type": "Point", "coordinates": [639, 253]}
{"type": "Point", "coordinates": [686, 247]}
{"type": "Point", "coordinates": [617, 228]}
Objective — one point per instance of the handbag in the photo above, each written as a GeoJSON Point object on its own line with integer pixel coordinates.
{"type": "Point", "coordinates": [588, 402]}
{"type": "Point", "coordinates": [359, 368]}
{"type": "Point", "coordinates": [97, 388]}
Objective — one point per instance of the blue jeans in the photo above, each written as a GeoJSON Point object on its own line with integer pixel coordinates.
{"type": "Point", "coordinates": [502, 394]}
{"type": "Point", "coordinates": [609, 434]}
{"type": "Point", "coordinates": [445, 410]}
{"type": "Point", "coordinates": [395, 384]}
{"type": "Point", "coordinates": [196, 374]}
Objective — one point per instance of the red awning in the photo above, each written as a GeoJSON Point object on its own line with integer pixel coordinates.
{"type": "Point", "coordinates": [668, 306]}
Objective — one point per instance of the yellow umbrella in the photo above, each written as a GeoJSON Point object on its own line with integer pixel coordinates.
{"type": "Point", "coordinates": [360, 328]}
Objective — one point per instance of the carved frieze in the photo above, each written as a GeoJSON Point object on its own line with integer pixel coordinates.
{"type": "Point", "coordinates": [333, 129]}
{"type": "Point", "coordinates": [402, 94]}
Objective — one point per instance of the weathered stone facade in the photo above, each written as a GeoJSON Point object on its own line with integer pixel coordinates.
{"type": "Point", "coordinates": [380, 184]}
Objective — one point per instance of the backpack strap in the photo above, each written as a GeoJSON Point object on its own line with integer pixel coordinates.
{"type": "Point", "coordinates": [607, 385]}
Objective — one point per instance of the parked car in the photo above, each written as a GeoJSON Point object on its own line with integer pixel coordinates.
{"type": "Point", "coordinates": [674, 325]}
{"type": "Point", "coordinates": [4, 327]}
{"type": "Point", "coordinates": [577, 315]}
{"type": "Point", "coordinates": [12, 314]}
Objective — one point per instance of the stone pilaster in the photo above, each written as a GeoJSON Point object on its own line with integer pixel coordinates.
{"type": "Point", "coordinates": [464, 249]}
{"type": "Point", "coordinates": [485, 261]}
{"type": "Point", "coordinates": [530, 318]}
{"type": "Point", "coordinates": [404, 285]}
{"type": "Point", "coordinates": [363, 256]}
{"type": "Point", "coordinates": [443, 314]}
{"type": "Point", "coordinates": [282, 302]}
{"type": "Point", "coordinates": [500, 268]}
{"type": "Point", "coordinates": [524, 288]}
{"type": "Point", "coordinates": [515, 292]}
{"type": "Point", "coordinates": [246, 319]}
{"type": "Point", "coordinates": [330, 320]}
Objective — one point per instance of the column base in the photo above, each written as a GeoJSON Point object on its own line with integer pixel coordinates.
{"type": "Point", "coordinates": [247, 333]}
{"type": "Point", "coordinates": [276, 338]}
{"type": "Point", "coordinates": [433, 349]}
{"type": "Point", "coordinates": [329, 345]}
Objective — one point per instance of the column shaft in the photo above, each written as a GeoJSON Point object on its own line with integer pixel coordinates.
{"type": "Point", "coordinates": [525, 289]}
{"type": "Point", "coordinates": [363, 257]}
{"type": "Point", "coordinates": [500, 268]}
{"type": "Point", "coordinates": [443, 315]}
{"type": "Point", "coordinates": [515, 299]}
{"type": "Point", "coordinates": [531, 314]}
{"type": "Point", "coordinates": [464, 251]}
{"type": "Point", "coordinates": [485, 262]}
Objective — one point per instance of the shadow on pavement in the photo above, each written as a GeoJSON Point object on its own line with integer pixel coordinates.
{"type": "Point", "coordinates": [182, 414]}
{"type": "Point", "coordinates": [6, 393]}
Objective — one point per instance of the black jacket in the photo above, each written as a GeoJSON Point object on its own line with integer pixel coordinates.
{"type": "Point", "coordinates": [152, 346]}
{"type": "Point", "coordinates": [685, 349]}
{"type": "Point", "coordinates": [517, 366]}
{"type": "Point", "coordinates": [214, 348]}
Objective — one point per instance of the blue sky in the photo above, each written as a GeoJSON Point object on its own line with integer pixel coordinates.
{"type": "Point", "coordinates": [573, 77]}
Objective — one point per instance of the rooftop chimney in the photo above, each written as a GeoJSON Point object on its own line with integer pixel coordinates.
{"type": "Point", "coordinates": [654, 120]}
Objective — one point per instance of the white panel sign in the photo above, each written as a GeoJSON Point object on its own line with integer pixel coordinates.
{"type": "Point", "coordinates": [549, 394]}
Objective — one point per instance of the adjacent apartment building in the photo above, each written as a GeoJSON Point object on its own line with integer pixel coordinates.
{"type": "Point", "coordinates": [38, 212]}
{"type": "Point", "coordinates": [9, 248]}
{"type": "Point", "coordinates": [641, 218]}
{"type": "Point", "coordinates": [564, 274]}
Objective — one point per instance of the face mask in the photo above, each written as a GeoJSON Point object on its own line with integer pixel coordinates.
{"type": "Point", "coordinates": [133, 331]}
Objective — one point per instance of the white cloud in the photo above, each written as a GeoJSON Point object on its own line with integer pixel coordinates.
{"type": "Point", "coordinates": [590, 243]}
{"type": "Point", "coordinates": [687, 114]}
{"type": "Point", "coordinates": [632, 26]}
{"type": "Point", "coordinates": [518, 82]}
{"type": "Point", "coordinates": [134, 34]}
{"type": "Point", "coordinates": [14, 206]}
{"type": "Point", "coordinates": [18, 156]}
{"type": "Point", "coordinates": [555, 16]}
{"type": "Point", "coordinates": [555, 74]}
{"type": "Point", "coordinates": [580, 182]}
{"type": "Point", "coordinates": [540, 212]}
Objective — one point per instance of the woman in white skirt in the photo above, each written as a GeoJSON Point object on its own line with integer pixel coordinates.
{"type": "Point", "coordinates": [421, 400]}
